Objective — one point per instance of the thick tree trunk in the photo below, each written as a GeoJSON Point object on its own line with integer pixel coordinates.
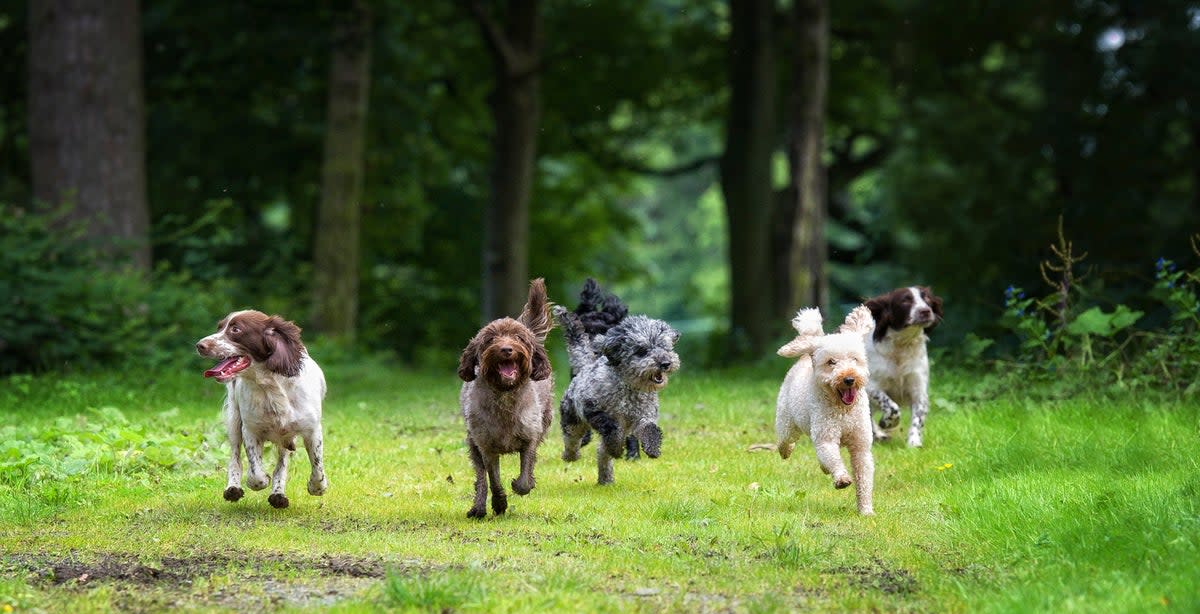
{"type": "Point", "coordinates": [336, 254]}
{"type": "Point", "coordinates": [516, 111]}
{"type": "Point", "coordinates": [746, 175]}
{"type": "Point", "coordinates": [87, 143]}
{"type": "Point", "coordinates": [807, 284]}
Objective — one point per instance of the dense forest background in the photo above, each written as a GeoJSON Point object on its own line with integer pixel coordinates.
{"type": "Point", "coordinates": [670, 159]}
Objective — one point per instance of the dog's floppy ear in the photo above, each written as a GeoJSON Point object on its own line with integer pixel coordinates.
{"type": "Point", "coordinates": [541, 363]}
{"type": "Point", "coordinates": [798, 347]}
{"type": "Point", "coordinates": [469, 361]}
{"type": "Point", "coordinates": [610, 346]}
{"type": "Point", "coordinates": [882, 314]}
{"type": "Point", "coordinates": [935, 303]}
{"type": "Point", "coordinates": [859, 321]}
{"type": "Point", "coordinates": [283, 338]}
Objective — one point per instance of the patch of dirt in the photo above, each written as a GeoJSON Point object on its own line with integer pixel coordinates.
{"type": "Point", "coordinates": [880, 577]}
{"type": "Point", "coordinates": [248, 581]}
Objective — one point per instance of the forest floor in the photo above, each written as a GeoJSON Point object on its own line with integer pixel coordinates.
{"type": "Point", "coordinates": [110, 499]}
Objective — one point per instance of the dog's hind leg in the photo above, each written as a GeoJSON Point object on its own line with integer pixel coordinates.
{"type": "Point", "coordinates": [233, 428]}
{"type": "Point", "coordinates": [576, 432]}
{"type": "Point", "coordinates": [604, 466]}
{"type": "Point", "coordinates": [525, 482]}
{"type": "Point", "coordinates": [278, 499]}
{"type": "Point", "coordinates": [864, 476]}
{"type": "Point", "coordinates": [479, 508]}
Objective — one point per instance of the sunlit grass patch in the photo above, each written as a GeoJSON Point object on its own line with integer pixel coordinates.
{"type": "Point", "coordinates": [1014, 504]}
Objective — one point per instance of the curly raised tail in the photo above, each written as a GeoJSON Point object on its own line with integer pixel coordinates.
{"type": "Point", "coordinates": [536, 314]}
{"type": "Point", "coordinates": [579, 343]}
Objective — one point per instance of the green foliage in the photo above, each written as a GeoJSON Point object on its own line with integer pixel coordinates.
{"type": "Point", "coordinates": [1095, 342]}
{"type": "Point", "coordinates": [67, 307]}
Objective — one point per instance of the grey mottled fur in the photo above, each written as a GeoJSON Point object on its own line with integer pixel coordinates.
{"type": "Point", "coordinates": [615, 387]}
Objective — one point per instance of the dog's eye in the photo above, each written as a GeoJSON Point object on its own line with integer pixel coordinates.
{"type": "Point", "coordinates": [831, 362]}
{"type": "Point", "coordinates": [235, 329]}
{"type": "Point", "coordinates": [640, 352]}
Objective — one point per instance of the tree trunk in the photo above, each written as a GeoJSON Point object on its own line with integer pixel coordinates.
{"type": "Point", "coordinates": [336, 254]}
{"type": "Point", "coordinates": [516, 111]}
{"type": "Point", "coordinates": [87, 142]}
{"type": "Point", "coordinates": [807, 284]}
{"type": "Point", "coordinates": [746, 175]}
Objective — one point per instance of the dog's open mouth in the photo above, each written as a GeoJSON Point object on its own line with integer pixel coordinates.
{"type": "Point", "coordinates": [848, 395]}
{"type": "Point", "coordinates": [658, 379]}
{"type": "Point", "coordinates": [227, 368]}
{"type": "Point", "coordinates": [508, 370]}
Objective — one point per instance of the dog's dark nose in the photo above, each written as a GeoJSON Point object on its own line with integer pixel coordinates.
{"type": "Point", "coordinates": [200, 347]}
{"type": "Point", "coordinates": [849, 381]}
{"type": "Point", "coordinates": [924, 313]}
{"type": "Point", "coordinates": [506, 351]}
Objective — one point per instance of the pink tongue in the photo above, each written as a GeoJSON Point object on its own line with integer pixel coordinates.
{"type": "Point", "coordinates": [848, 396]}
{"type": "Point", "coordinates": [508, 369]}
{"type": "Point", "coordinates": [220, 367]}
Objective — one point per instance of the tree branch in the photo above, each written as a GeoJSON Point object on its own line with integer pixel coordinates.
{"type": "Point", "coordinates": [613, 161]}
{"type": "Point", "coordinates": [493, 34]}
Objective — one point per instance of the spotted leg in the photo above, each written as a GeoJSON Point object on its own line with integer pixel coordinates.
{"type": "Point", "coordinates": [920, 409]}
{"type": "Point", "coordinates": [233, 428]}
{"type": "Point", "coordinates": [889, 413]}
{"type": "Point", "coordinates": [278, 499]}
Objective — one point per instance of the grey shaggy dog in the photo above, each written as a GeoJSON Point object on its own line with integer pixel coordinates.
{"type": "Point", "coordinates": [598, 311]}
{"type": "Point", "coordinates": [616, 385]}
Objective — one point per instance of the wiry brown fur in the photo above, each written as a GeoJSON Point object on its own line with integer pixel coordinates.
{"type": "Point", "coordinates": [506, 397]}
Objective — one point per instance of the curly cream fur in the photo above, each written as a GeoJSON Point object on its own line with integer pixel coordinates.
{"type": "Point", "coordinates": [823, 397]}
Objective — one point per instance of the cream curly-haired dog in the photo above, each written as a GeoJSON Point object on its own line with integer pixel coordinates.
{"type": "Point", "coordinates": [822, 397]}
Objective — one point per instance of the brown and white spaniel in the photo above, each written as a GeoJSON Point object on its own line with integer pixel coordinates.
{"type": "Point", "coordinates": [506, 397]}
{"type": "Point", "coordinates": [274, 393]}
{"type": "Point", "coordinates": [897, 358]}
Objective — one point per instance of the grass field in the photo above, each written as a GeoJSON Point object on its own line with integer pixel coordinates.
{"type": "Point", "coordinates": [1017, 503]}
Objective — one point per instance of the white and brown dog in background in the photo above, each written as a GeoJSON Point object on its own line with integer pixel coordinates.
{"type": "Point", "coordinates": [822, 397]}
{"type": "Point", "coordinates": [274, 393]}
{"type": "Point", "coordinates": [899, 362]}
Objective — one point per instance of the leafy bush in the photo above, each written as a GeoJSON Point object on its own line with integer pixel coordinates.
{"type": "Point", "coordinates": [1055, 338]}
{"type": "Point", "coordinates": [64, 305]}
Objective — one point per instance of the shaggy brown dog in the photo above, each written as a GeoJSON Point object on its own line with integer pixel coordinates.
{"type": "Point", "coordinates": [507, 396]}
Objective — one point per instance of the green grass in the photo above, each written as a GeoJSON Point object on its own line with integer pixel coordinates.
{"type": "Point", "coordinates": [1017, 503]}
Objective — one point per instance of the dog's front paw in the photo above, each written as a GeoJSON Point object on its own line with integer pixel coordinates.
{"type": "Point", "coordinates": [317, 485]}
{"type": "Point", "coordinates": [522, 486]}
{"type": "Point", "coordinates": [499, 504]}
{"type": "Point", "coordinates": [889, 419]}
{"type": "Point", "coordinates": [650, 437]}
{"type": "Point", "coordinates": [233, 493]}
{"type": "Point", "coordinates": [278, 500]}
{"type": "Point", "coordinates": [915, 440]}
{"type": "Point", "coordinates": [841, 481]}
{"type": "Point", "coordinates": [570, 455]}
{"type": "Point", "coordinates": [477, 511]}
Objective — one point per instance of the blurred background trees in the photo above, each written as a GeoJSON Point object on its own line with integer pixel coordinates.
{"type": "Point", "coordinates": [682, 151]}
